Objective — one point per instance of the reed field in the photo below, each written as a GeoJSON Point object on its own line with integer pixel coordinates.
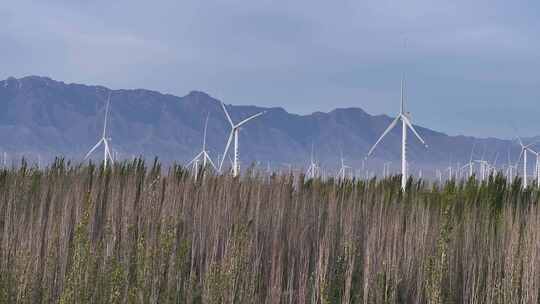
{"type": "Point", "coordinates": [140, 233]}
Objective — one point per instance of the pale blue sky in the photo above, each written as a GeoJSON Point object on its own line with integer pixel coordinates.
{"type": "Point", "coordinates": [472, 67]}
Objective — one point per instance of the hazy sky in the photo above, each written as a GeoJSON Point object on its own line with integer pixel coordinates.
{"type": "Point", "coordinates": [472, 67]}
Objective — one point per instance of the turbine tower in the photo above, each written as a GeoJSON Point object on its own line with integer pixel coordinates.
{"type": "Point", "coordinates": [203, 155]}
{"type": "Point", "coordinates": [405, 123]}
{"type": "Point", "coordinates": [482, 164]}
{"type": "Point", "coordinates": [235, 129]}
{"type": "Point", "coordinates": [104, 139]}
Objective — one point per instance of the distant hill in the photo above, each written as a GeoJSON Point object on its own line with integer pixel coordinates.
{"type": "Point", "coordinates": [47, 117]}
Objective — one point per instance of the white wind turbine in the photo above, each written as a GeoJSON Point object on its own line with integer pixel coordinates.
{"type": "Point", "coordinates": [524, 149]}
{"type": "Point", "coordinates": [484, 168]}
{"type": "Point", "coordinates": [104, 139]}
{"type": "Point", "coordinates": [405, 123]}
{"type": "Point", "coordinates": [536, 167]}
{"type": "Point", "coordinates": [203, 155]}
{"type": "Point", "coordinates": [510, 168]}
{"type": "Point", "coordinates": [344, 168]}
{"type": "Point", "coordinates": [235, 129]}
{"type": "Point", "coordinates": [313, 169]}
{"type": "Point", "coordinates": [483, 164]}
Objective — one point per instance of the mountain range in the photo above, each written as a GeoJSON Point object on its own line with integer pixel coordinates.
{"type": "Point", "coordinates": [49, 118]}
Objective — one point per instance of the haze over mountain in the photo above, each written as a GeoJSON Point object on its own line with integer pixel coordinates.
{"type": "Point", "coordinates": [47, 117]}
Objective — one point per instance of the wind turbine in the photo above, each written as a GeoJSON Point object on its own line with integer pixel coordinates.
{"type": "Point", "coordinates": [344, 168]}
{"type": "Point", "coordinates": [235, 129]}
{"type": "Point", "coordinates": [536, 167]}
{"type": "Point", "coordinates": [203, 155]}
{"type": "Point", "coordinates": [405, 123]}
{"type": "Point", "coordinates": [482, 165]}
{"type": "Point", "coordinates": [313, 169]}
{"type": "Point", "coordinates": [104, 139]}
{"type": "Point", "coordinates": [510, 168]}
{"type": "Point", "coordinates": [524, 149]}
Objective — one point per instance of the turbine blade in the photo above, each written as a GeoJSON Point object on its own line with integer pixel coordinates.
{"type": "Point", "coordinates": [108, 151]}
{"type": "Point", "coordinates": [402, 109]}
{"type": "Point", "coordinates": [226, 150]}
{"type": "Point", "coordinates": [409, 124]}
{"type": "Point", "coordinates": [520, 142]}
{"type": "Point", "coordinates": [312, 152]}
{"type": "Point", "coordinates": [496, 158]}
{"type": "Point", "coordinates": [519, 158]}
{"type": "Point", "coordinates": [390, 127]}
{"type": "Point", "coordinates": [532, 144]}
{"type": "Point", "coordinates": [194, 159]}
{"type": "Point", "coordinates": [204, 136]}
{"type": "Point", "coordinates": [93, 149]}
{"type": "Point", "coordinates": [191, 162]}
{"type": "Point", "coordinates": [106, 115]}
{"type": "Point", "coordinates": [249, 118]}
{"type": "Point", "coordinates": [227, 114]}
{"type": "Point", "coordinates": [210, 160]}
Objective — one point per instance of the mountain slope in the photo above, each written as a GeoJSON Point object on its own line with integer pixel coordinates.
{"type": "Point", "coordinates": [51, 118]}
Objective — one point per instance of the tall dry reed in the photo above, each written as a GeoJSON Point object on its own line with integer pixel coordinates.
{"type": "Point", "coordinates": [138, 234]}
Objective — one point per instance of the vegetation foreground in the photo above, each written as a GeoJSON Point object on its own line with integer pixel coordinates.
{"type": "Point", "coordinates": [81, 234]}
